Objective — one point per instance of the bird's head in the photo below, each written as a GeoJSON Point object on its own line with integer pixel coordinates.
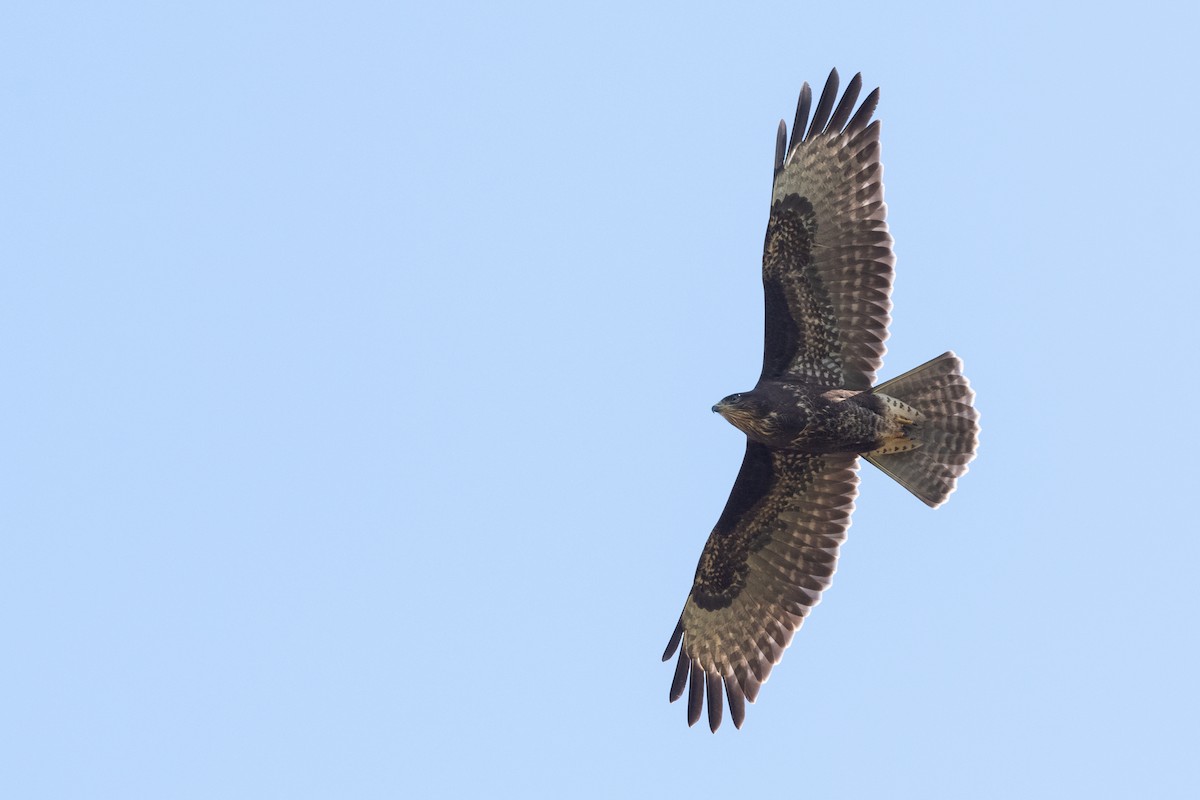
{"type": "Point", "coordinates": [749, 412]}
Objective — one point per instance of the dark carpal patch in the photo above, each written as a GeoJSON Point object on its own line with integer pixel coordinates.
{"type": "Point", "coordinates": [791, 229]}
{"type": "Point", "coordinates": [756, 499]}
{"type": "Point", "coordinates": [799, 315]}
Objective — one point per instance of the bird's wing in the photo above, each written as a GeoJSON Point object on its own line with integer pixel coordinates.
{"type": "Point", "coordinates": [827, 263]}
{"type": "Point", "coordinates": [772, 553]}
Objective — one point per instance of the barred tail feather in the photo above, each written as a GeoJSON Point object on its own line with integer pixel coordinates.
{"type": "Point", "coordinates": [948, 433]}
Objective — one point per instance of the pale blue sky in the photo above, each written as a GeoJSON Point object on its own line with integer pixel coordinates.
{"type": "Point", "coordinates": [358, 362]}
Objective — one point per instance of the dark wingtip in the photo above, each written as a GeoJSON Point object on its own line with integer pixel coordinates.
{"type": "Point", "coordinates": [737, 701]}
{"type": "Point", "coordinates": [863, 115]}
{"type": "Point", "coordinates": [715, 705]}
{"type": "Point", "coordinates": [695, 694]}
{"type": "Point", "coordinates": [780, 145]}
{"type": "Point", "coordinates": [680, 679]}
{"type": "Point", "coordinates": [802, 107]}
{"type": "Point", "coordinates": [674, 643]}
{"type": "Point", "coordinates": [842, 113]}
{"type": "Point", "coordinates": [824, 105]}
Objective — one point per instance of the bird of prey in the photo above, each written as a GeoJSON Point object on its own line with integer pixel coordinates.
{"type": "Point", "coordinates": [827, 281]}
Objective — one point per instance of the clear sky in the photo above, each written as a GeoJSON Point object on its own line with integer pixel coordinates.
{"type": "Point", "coordinates": [357, 364]}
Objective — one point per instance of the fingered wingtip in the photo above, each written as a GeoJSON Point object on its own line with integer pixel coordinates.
{"type": "Point", "coordinates": [826, 118]}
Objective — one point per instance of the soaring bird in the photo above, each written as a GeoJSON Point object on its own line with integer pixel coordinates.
{"type": "Point", "coordinates": [827, 282]}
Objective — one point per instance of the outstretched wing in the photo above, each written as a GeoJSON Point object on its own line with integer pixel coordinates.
{"type": "Point", "coordinates": [772, 553]}
{"type": "Point", "coordinates": [827, 263]}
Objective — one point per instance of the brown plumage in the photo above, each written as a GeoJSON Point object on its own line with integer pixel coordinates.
{"type": "Point", "coordinates": [827, 279]}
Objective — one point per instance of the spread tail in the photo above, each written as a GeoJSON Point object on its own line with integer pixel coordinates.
{"type": "Point", "coordinates": [946, 436]}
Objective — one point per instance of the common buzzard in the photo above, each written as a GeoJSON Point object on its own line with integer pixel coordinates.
{"type": "Point", "coordinates": [827, 281]}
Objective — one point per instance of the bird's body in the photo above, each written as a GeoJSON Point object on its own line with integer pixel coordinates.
{"type": "Point", "coordinates": [792, 415]}
{"type": "Point", "coordinates": [827, 279]}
